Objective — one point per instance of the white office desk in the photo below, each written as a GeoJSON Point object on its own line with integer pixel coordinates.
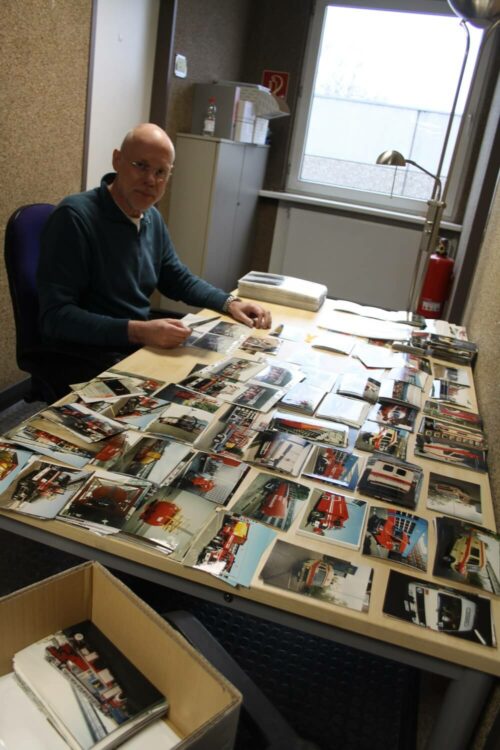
{"type": "Point", "coordinates": [470, 667]}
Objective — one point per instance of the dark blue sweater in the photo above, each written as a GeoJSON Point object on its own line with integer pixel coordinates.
{"type": "Point", "coordinates": [97, 272]}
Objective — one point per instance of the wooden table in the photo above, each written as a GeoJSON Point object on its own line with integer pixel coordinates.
{"type": "Point", "coordinates": [469, 667]}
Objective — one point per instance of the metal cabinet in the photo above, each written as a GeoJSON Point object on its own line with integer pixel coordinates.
{"type": "Point", "coordinates": [213, 200]}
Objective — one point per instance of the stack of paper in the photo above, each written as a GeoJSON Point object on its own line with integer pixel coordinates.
{"type": "Point", "coordinates": [282, 290]}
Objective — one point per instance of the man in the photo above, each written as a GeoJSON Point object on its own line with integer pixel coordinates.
{"type": "Point", "coordinates": [104, 252]}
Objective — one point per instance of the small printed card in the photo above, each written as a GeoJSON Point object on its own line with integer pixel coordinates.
{"type": "Point", "coordinates": [327, 579]}
{"type": "Point", "coordinates": [334, 518]}
{"type": "Point", "coordinates": [397, 536]}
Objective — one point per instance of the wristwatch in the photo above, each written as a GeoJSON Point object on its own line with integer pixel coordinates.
{"type": "Point", "coordinates": [229, 301]}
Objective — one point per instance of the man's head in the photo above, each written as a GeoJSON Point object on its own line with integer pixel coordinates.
{"type": "Point", "coordinates": [142, 164]}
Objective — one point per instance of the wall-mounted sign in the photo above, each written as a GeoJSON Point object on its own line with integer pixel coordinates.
{"type": "Point", "coordinates": [276, 81]}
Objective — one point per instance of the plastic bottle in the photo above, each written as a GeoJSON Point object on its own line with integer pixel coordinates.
{"type": "Point", "coordinates": [209, 120]}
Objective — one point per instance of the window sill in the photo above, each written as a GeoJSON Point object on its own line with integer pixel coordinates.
{"type": "Point", "coordinates": [354, 208]}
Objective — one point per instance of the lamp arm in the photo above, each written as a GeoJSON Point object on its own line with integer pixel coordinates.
{"type": "Point", "coordinates": [436, 191]}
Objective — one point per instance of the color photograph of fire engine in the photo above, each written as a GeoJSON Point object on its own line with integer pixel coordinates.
{"type": "Point", "coordinates": [86, 423]}
{"type": "Point", "coordinates": [105, 502]}
{"type": "Point", "coordinates": [169, 518]}
{"type": "Point", "coordinates": [334, 517]}
{"type": "Point", "coordinates": [42, 488]}
{"type": "Point", "coordinates": [391, 480]}
{"type": "Point", "coordinates": [326, 578]}
{"type": "Point", "coordinates": [153, 458]}
{"type": "Point", "coordinates": [316, 430]}
{"type": "Point", "coordinates": [177, 394]}
{"type": "Point", "coordinates": [111, 450]}
{"type": "Point", "coordinates": [272, 500]}
{"type": "Point", "coordinates": [455, 497]}
{"type": "Point", "coordinates": [43, 437]}
{"type": "Point", "coordinates": [225, 545]}
{"type": "Point", "coordinates": [279, 451]}
{"type": "Point", "coordinates": [397, 536]}
{"type": "Point", "coordinates": [180, 422]}
{"type": "Point", "coordinates": [373, 437]}
{"type": "Point", "coordinates": [212, 476]}
{"type": "Point", "coordinates": [467, 554]}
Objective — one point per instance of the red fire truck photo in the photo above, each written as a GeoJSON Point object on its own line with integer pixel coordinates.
{"type": "Point", "coordinates": [387, 535]}
{"type": "Point", "coordinates": [330, 512]}
{"type": "Point", "coordinates": [160, 513]}
{"type": "Point", "coordinates": [274, 506]}
{"type": "Point", "coordinates": [225, 545]}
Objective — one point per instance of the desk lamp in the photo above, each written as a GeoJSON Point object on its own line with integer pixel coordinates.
{"type": "Point", "coordinates": [483, 14]}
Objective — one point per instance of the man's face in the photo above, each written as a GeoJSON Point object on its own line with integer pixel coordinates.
{"type": "Point", "coordinates": [143, 169]}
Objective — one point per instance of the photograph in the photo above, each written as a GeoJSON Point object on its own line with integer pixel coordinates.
{"type": "Point", "coordinates": [397, 536]}
{"type": "Point", "coordinates": [260, 344]}
{"type": "Point", "coordinates": [327, 579]}
{"type": "Point", "coordinates": [399, 392]}
{"type": "Point", "coordinates": [272, 500]}
{"type": "Point", "coordinates": [87, 687]}
{"type": "Point", "coordinates": [391, 480]}
{"type": "Point", "coordinates": [467, 554]}
{"type": "Point", "coordinates": [212, 476]}
{"type": "Point", "coordinates": [233, 368]}
{"type": "Point", "coordinates": [302, 397]}
{"type": "Point", "coordinates": [181, 422]}
{"type": "Point", "coordinates": [280, 451]}
{"type": "Point", "coordinates": [169, 519]}
{"type": "Point", "coordinates": [447, 432]}
{"type": "Point", "coordinates": [455, 497]}
{"type": "Point", "coordinates": [105, 502]}
{"type": "Point", "coordinates": [358, 386]}
{"type": "Point", "coordinates": [350, 411]}
{"type": "Point", "coordinates": [230, 548]}
{"type": "Point", "coordinates": [395, 415]}
{"type": "Point", "coordinates": [153, 458]}
{"type": "Point", "coordinates": [334, 518]}
{"type": "Point", "coordinates": [445, 610]}
{"type": "Point", "coordinates": [449, 453]}
{"type": "Point", "coordinates": [43, 437]}
{"type": "Point", "coordinates": [373, 437]}
{"type": "Point", "coordinates": [460, 395]}
{"type": "Point", "coordinates": [333, 465]}
{"type": "Point", "coordinates": [451, 413]}
{"type": "Point", "coordinates": [316, 430]}
{"type": "Point", "coordinates": [279, 374]}
{"type": "Point", "coordinates": [178, 394]}
{"type": "Point", "coordinates": [12, 461]}
{"type": "Point", "coordinates": [42, 489]}
{"type": "Point", "coordinates": [83, 422]}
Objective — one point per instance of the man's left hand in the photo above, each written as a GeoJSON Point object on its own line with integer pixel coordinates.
{"type": "Point", "coordinates": [250, 313]}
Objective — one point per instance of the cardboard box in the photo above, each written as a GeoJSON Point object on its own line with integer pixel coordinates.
{"type": "Point", "coordinates": [204, 706]}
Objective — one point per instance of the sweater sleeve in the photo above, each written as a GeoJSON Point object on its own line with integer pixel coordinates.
{"type": "Point", "coordinates": [64, 275]}
{"type": "Point", "coordinates": [177, 282]}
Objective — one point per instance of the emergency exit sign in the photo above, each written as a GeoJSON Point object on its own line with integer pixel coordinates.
{"type": "Point", "coordinates": [276, 81]}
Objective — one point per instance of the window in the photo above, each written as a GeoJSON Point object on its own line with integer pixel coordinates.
{"type": "Point", "coordinates": [379, 78]}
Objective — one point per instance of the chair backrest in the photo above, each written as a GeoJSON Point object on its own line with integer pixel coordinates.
{"type": "Point", "coordinates": [22, 250]}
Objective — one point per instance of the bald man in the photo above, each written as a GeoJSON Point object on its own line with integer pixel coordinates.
{"type": "Point", "coordinates": [103, 253]}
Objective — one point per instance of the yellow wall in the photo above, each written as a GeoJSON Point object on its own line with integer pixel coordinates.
{"type": "Point", "coordinates": [44, 53]}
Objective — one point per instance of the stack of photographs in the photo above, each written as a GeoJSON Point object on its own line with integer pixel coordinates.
{"type": "Point", "coordinates": [397, 536]}
{"type": "Point", "coordinates": [374, 437]}
{"type": "Point", "coordinates": [443, 441]}
{"type": "Point", "coordinates": [391, 480]}
{"type": "Point", "coordinates": [335, 518]}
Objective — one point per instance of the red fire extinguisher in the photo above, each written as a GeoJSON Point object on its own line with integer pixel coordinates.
{"type": "Point", "coordinates": [437, 283]}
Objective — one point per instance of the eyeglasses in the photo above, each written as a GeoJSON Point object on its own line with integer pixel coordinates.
{"type": "Point", "coordinates": [160, 175]}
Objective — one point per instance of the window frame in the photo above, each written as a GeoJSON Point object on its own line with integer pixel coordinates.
{"type": "Point", "coordinates": [469, 132]}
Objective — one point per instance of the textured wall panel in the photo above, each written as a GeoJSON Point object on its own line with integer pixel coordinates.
{"type": "Point", "coordinates": [44, 51]}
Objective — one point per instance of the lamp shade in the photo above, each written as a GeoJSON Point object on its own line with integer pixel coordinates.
{"type": "Point", "coordinates": [392, 159]}
{"type": "Point", "coordinates": [480, 13]}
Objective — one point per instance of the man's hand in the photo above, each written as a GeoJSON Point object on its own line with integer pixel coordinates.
{"type": "Point", "coordinates": [250, 313]}
{"type": "Point", "coordinates": [164, 333]}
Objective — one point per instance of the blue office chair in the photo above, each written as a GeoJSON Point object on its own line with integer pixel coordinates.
{"type": "Point", "coordinates": [22, 249]}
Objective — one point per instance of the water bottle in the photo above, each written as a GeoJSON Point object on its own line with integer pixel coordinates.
{"type": "Point", "coordinates": [209, 120]}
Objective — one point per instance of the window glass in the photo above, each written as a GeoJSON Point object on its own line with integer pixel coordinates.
{"type": "Point", "coordinates": [377, 80]}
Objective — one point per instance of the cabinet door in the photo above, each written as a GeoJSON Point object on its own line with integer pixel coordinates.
{"type": "Point", "coordinates": [251, 181]}
{"type": "Point", "coordinates": [219, 249]}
